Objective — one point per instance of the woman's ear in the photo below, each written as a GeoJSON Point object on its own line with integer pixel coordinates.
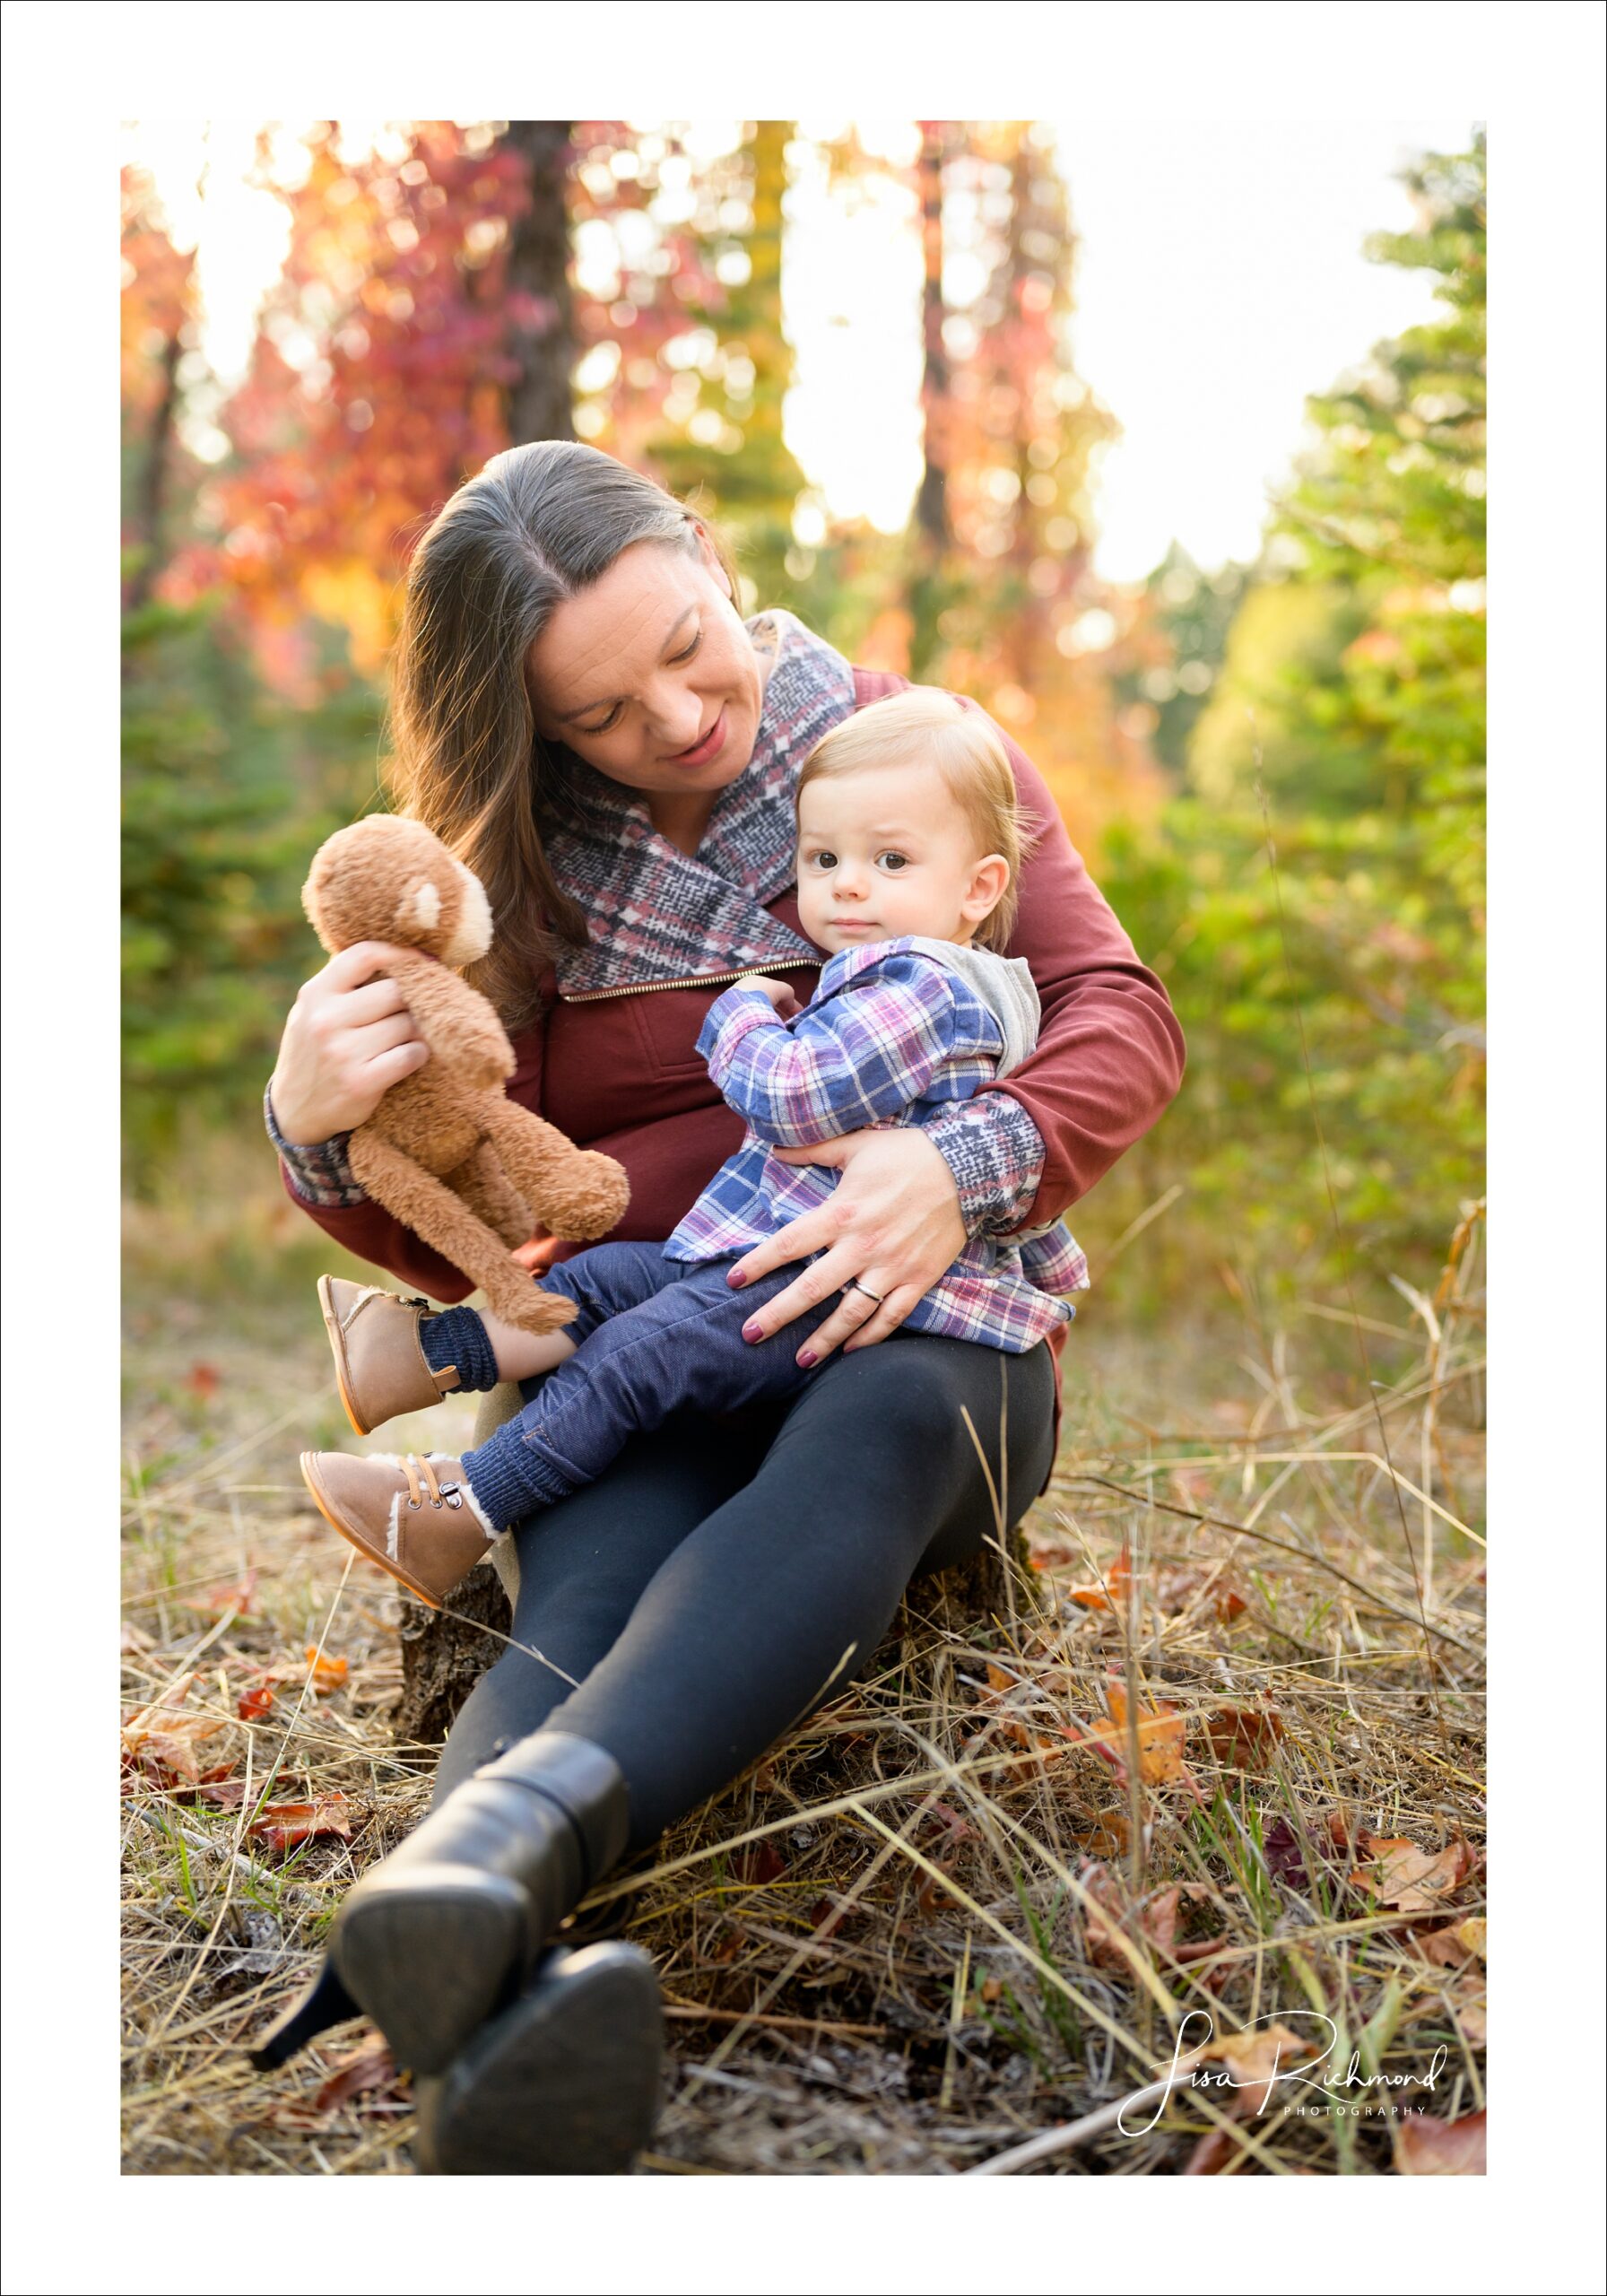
{"type": "Point", "coordinates": [989, 879]}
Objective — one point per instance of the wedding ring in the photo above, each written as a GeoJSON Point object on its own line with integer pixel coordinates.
{"type": "Point", "coordinates": [854, 1284]}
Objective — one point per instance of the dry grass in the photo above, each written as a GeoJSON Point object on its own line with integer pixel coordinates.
{"type": "Point", "coordinates": [938, 1920]}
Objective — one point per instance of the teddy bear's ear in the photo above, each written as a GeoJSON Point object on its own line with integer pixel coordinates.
{"type": "Point", "coordinates": [420, 910]}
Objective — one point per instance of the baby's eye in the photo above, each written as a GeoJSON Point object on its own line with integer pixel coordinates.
{"type": "Point", "coordinates": [892, 862]}
{"type": "Point", "coordinates": [822, 860]}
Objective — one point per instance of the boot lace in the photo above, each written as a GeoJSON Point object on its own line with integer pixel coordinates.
{"type": "Point", "coordinates": [424, 1487]}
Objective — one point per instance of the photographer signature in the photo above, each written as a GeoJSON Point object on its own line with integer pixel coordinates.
{"type": "Point", "coordinates": [1186, 2066]}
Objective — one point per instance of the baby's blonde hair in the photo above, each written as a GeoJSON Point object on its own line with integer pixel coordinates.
{"type": "Point", "coordinates": [924, 725]}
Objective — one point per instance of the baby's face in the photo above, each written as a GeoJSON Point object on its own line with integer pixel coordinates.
{"type": "Point", "coordinates": [887, 852]}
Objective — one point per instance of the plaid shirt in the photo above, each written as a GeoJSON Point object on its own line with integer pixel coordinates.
{"type": "Point", "coordinates": [891, 1037]}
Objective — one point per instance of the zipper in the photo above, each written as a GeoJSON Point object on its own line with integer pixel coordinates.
{"type": "Point", "coordinates": [698, 981]}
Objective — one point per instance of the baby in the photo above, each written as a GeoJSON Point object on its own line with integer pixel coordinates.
{"type": "Point", "coordinates": [910, 850]}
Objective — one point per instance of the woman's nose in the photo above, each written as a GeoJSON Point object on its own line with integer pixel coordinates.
{"type": "Point", "coordinates": [675, 714]}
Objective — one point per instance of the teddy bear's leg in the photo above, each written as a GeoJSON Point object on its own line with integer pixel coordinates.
{"type": "Point", "coordinates": [575, 1192]}
{"type": "Point", "coordinates": [487, 1190]}
{"type": "Point", "coordinates": [429, 1208]}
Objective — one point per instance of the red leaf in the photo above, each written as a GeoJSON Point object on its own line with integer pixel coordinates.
{"type": "Point", "coordinates": [369, 2068]}
{"type": "Point", "coordinates": [219, 1601]}
{"type": "Point", "coordinates": [760, 1862]}
{"type": "Point", "coordinates": [284, 1825]}
{"type": "Point", "coordinates": [203, 1380]}
{"type": "Point", "coordinates": [252, 1704]}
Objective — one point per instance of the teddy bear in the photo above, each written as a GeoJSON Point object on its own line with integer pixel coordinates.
{"type": "Point", "coordinates": [446, 1151]}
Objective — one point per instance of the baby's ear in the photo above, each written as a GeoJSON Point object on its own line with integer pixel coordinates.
{"type": "Point", "coordinates": [418, 911]}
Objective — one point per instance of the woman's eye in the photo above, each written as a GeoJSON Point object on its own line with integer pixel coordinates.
{"type": "Point", "coordinates": [687, 652]}
{"type": "Point", "coordinates": [893, 861]}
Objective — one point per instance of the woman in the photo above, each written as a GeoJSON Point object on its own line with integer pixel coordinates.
{"type": "Point", "coordinates": [581, 713]}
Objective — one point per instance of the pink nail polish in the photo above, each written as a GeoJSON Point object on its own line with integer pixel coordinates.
{"type": "Point", "coordinates": [807, 1361]}
{"type": "Point", "coordinates": [752, 1330]}
{"type": "Point", "coordinates": [736, 1279]}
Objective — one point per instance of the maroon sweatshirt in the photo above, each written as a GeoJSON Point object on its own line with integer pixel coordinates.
{"type": "Point", "coordinates": [617, 1070]}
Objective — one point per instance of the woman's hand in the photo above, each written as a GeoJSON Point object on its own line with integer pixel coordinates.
{"type": "Point", "coordinates": [893, 1224]}
{"type": "Point", "coordinates": [349, 1038]}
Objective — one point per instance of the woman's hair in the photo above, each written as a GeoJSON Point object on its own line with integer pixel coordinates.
{"type": "Point", "coordinates": [537, 525]}
{"type": "Point", "coordinates": [926, 727]}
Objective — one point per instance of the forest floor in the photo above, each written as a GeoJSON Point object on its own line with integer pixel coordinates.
{"type": "Point", "coordinates": [1207, 1787]}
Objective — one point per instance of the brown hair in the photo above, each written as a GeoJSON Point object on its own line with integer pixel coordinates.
{"type": "Point", "coordinates": [926, 727]}
{"type": "Point", "coordinates": [537, 525]}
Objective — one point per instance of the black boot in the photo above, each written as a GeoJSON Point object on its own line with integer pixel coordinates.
{"type": "Point", "coordinates": [435, 1940]}
{"type": "Point", "coordinates": [565, 2081]}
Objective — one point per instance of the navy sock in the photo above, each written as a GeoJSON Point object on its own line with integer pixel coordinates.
{"type": "Point", "coordinates": [509, 1479]}
{"type": "Point", "coordinates": [457, 1337]}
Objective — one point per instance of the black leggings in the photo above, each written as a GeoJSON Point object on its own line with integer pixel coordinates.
{"type": "Point", "coordinates": [726, 1577]}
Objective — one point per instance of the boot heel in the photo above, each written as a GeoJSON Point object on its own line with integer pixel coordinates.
{"type": "Point", "coordinates": [564, 2082]}
{"type": "Point", "coordinates": [430, 1953]}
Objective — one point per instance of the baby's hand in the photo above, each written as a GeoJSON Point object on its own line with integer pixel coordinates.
{"type": "Point", "coordinates": [779, 993]}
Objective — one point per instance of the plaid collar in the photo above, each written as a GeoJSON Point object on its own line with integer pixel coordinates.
{"type": "Point", "coordinates": [656, 914]}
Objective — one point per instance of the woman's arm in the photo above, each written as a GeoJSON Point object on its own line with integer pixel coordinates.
{"type": "Point", "coordinates": [1110, 1056]}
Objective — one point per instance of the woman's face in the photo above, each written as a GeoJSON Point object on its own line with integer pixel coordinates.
{"type": "Point", "coordinates": [649, 675]}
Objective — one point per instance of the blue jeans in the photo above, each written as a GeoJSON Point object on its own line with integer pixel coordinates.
{"type": "Point", "coordinates": [654, 1336]}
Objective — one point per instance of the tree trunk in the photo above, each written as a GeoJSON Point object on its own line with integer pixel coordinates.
{"type": "Point", "coordinates": [541, 336]}
{"type": "Point", "coordinates": [153, 478]}
{"type": "Point", "coordinates": [932, 505]}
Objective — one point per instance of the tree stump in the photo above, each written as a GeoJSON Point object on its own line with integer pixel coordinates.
{"type": "Point", "coordinates": [444, 1652]}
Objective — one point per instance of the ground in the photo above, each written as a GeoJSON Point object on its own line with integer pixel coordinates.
{"type": "Point", "coordinates": [1218, 1751]}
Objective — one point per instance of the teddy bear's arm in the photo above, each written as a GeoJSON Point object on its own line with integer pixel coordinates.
{"type": "Point", "coordinates": [458, 1024]}
{"type": "Point", "coordinates": [444, 1220]}
{"type": "Point", "coordinates": [576, 1193]}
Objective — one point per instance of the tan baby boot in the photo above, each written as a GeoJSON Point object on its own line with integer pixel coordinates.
{"type": "Point", "coordinates": [375, 1337]}
{"type": "Point", "coordinates": [413, 1515]}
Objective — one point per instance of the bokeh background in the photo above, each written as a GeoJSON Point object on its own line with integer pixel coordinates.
{"type": "Point", "coordinates": [1172, 454]}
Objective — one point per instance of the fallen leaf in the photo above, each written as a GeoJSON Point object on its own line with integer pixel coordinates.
{"type": "Point", "coordinates": [1160, 1733]}
{"type": "Point", "coordinates": [252, 1704]}
{"type": "Point", "coordinates": [1251, 2059]}
{"type": "Point", "coordinates": [1443, 1947]}
{"type": "Point", "coordinates": [1109, 1835]}
{"type": "Point", "coordinates": [1439, 2148]}
{"type": "Point", "coordinates": [324, 1673]}
{"type": "Point", "coordinates": [203, 1380]}
{"type": "Point", "coordinates": [1412, 1880]}
{"type": "Point", "coordinates": [223, 1793]}
{"type": "Point", "coordinates": [163, 1739]}
{"type": "Point", "coordinates": [1243, 1736]}
{"type": "Point", "coordinates": [758, 1862]}
{"type": "Point", "coordinates": [1177, 1589]}
{"type": "Point", "coordinates": [1112, 1594]}
{"type": "Point", "coordinates": [360, 2073]}
{"type": "Point", "coordinates": [1102, 1919]}
{"type": "Point", "coordinates": [221, 1600]}
{"type": "Point", "coordinates": [992, 1988]}
{"type": "Point", "coordinates": [282, 1825]}
{"type": "Point", "coordinates": [134, 1641]}
{"type": "Point", "coordinates": [1472, 1932]}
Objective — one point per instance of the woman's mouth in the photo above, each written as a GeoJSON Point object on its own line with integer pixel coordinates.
{"type": "Point", "coordinates": [701, 752]}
